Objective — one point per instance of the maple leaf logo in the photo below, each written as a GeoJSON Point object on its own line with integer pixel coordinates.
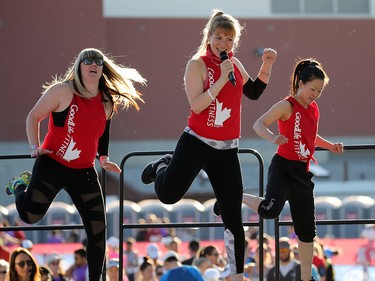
{"type": "Point", "coordinates": [71, 153]}
{"type": "Point", "coordinates": [221, 114]}
{"type": "Point", "coordinates": [303, 151]}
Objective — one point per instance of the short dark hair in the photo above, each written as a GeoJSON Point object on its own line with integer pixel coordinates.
{"type": "Point", "coordinates": [81, 252]}
{"type": "Point", "coordinates": [194, 245]}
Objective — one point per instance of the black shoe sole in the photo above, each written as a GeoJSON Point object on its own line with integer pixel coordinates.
{"type": "Point", "coordinates": [216, 209]}
{"type": "Point", "coordinates": [147, 176]}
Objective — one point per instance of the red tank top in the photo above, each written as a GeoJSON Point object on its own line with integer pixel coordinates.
{"type": "Point", "coordinates": [221, 120]}
{"type": "Point", "coordinates": [75, 144]}
{"type": "Point", "coordinates": [301, 130]}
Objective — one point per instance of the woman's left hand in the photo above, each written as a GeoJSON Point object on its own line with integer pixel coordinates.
{"type": "Point", "coordinates": [337, 148]}
{"type": "Point", "coordinates": [111, 167]}
{"type": "Point", "coordinates": [269, 55]}
{"type": "Point", "coordinates": [108, 165]}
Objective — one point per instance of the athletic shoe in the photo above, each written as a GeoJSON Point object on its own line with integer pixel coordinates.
{"type": "Point", "coordinates": [149, 172]}
{"type": "Point", "coordinates": [216, 209]}
{"type": "Point", "coordinates": [9, 188]}
{"type": "Point", "coordinates": [23, 179]}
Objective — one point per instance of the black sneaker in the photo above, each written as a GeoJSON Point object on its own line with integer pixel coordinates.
{"type": "Point", "coordinates": [149, 172]}
{"type": "Point", "coordinates": [216, 209]}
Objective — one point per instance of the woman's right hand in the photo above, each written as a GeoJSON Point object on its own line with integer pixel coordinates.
{"type": "Point", "coordinates": [226, 67]}
{"type": "Point", "coordinates": [39, 151]}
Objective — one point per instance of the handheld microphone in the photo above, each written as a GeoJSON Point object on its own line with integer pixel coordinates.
{"type": "Point", "coordinates": [223, 57]}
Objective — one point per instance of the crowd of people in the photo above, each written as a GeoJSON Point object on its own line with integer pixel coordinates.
{"type": "Point", "coordinates": [165, 261]}
{"type": "Point", "coordinates": [80, 106]}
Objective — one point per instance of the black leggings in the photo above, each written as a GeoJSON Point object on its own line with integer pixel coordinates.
{"type": "Point", "coordinates": [224, 172]}
{"type": "Point", "coordinates": [48, 178]}
{"type": "Point", "coordinates": [288, 180]}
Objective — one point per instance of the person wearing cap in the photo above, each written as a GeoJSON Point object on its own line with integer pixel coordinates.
{"type": "Point", "coordinates": [45, 273]}
{"type": "Point", "coordinates": [290, 269]}
{"type": "Point", "coordinates": [177, 271]}
{"type": "Point", "coordinates": [211, 274]}
{"type": "Point", "coordinates": [4, 269]}
{"type": "Point", "coordinates": [112, 269]}
{"type": "Point", "coordinates": [53, 261]}
{"type": "Point", "coordinates": [132, 259]}
{"type": "Point", "coordinates": [152, 251]}
{"type": "Point", "coordinates": [27, 244]}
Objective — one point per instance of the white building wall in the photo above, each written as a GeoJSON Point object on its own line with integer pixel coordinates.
{"type": "Point", "coordinates": [237, 8]}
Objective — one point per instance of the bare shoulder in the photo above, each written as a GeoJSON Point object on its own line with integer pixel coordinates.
{"type": "Point", "coordinates": [195, 64]}
{"type": "Point", "coordinates": [59, 89]}
{"type": "Point", "coordinates": [284, 109]}
{"type": "Point", "coordinates": [195, 68]}
{"type": "Point", "coordinates": [61, 93]}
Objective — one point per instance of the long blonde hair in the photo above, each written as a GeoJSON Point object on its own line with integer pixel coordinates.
{"type": "Point", "coordinates": [220, 20]}
{"type": "Point", "coordinates": [116, 82]}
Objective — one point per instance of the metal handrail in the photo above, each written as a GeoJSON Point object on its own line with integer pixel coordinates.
{"type": "Point", "coordinates": [279, 223]}
{"type": "Point", "coordinates": [182, 225]}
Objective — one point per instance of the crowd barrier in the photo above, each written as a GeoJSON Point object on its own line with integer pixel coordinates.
{"type": "Point", "coordinates": [333, 204]}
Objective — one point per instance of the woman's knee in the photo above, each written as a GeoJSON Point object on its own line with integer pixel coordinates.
{"type": "Point", "coordinates": [269, 209]}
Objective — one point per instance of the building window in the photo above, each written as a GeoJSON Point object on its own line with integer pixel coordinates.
{"type": "Point", "coordinates": [328, 7]}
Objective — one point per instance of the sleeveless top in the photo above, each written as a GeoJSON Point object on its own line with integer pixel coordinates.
{"type": "Point", "coordinates": [75, 144]}
{"type": "Point", "coordinates": [301, 130]}
{"type": "Point", "coordinates": [221, 120]}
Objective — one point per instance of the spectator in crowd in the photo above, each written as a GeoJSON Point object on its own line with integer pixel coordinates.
{"type": "Point", "coordinates": [73, 236]}
{"type": "Point", "coordinates": [290, 269]}
{"type": "Point", "coordinates": [159, 271]}
{"type": "Point", "coordinates": [176, 271]}
{"type": "Point", "coordinates": [27, 244]}
{"type": "Point", "coordinates": [172, 243]}
{"type": "Point", "coordinates": [45, 273]}
{"type": "Point", "coordinates": [193, 248]}
{"type": "Point", "coordinates": [141, 233]}
{"type": "Point", "coordinates": [152, 251]}
{"type": "Point", "coordinates": [314, 269]}
{"type": "Point", "coordinates": [167, 231]}
{"type": "Point", "coordinates": [131, 259]}
{"type": "Point", "coordinates": [202, 263]}
{"type": "Point", "coordinates": [4, 269]}
{"type": "Point", "coordinates": [23, 266]}
{"type": "Point", "coordinates": [146, 270]}
{"type": "Point", "coordinates": [53, 261]}
{"type": "Point", "coordinates": [252, 268]}
{"type": "Point", "coordinates": [153, 234]}
{"type": "Point", "coordinates": [112, 269]}
{"type": "Point", "coordinates": [55, 237]}
{"type": "Point", "coordinates": [13, 237]}
{"type": "Point", "coordinates": [4, 251]}
{"type": "Point", "coordinates": [7, 237]}
{"type": "Point", "coordinates": [212, 254]}
{"type": "Point", "coordinates": [78, 271]}
{"type": "Point", "coordinates": [211, 274]}
{"type": "Point", "coordinates": [319, 261]}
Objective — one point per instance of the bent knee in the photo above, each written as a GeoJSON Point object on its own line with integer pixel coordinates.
{"type": "Point", "coordinates": [269, 210]}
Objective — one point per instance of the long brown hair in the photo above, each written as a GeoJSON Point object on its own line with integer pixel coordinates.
{"type": "Point", "coordinates": [12, 275]}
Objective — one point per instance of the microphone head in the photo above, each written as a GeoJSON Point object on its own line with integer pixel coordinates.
{"type": "Point", "coordinates": [223, 56]}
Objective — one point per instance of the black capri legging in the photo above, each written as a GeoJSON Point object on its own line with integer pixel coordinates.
{"type": "Point", "coordinates": [289, 180]}
{"type": "Point", "coordinates": [48, 178]}
{"type": "Point", "coordinates": [224, 172]}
